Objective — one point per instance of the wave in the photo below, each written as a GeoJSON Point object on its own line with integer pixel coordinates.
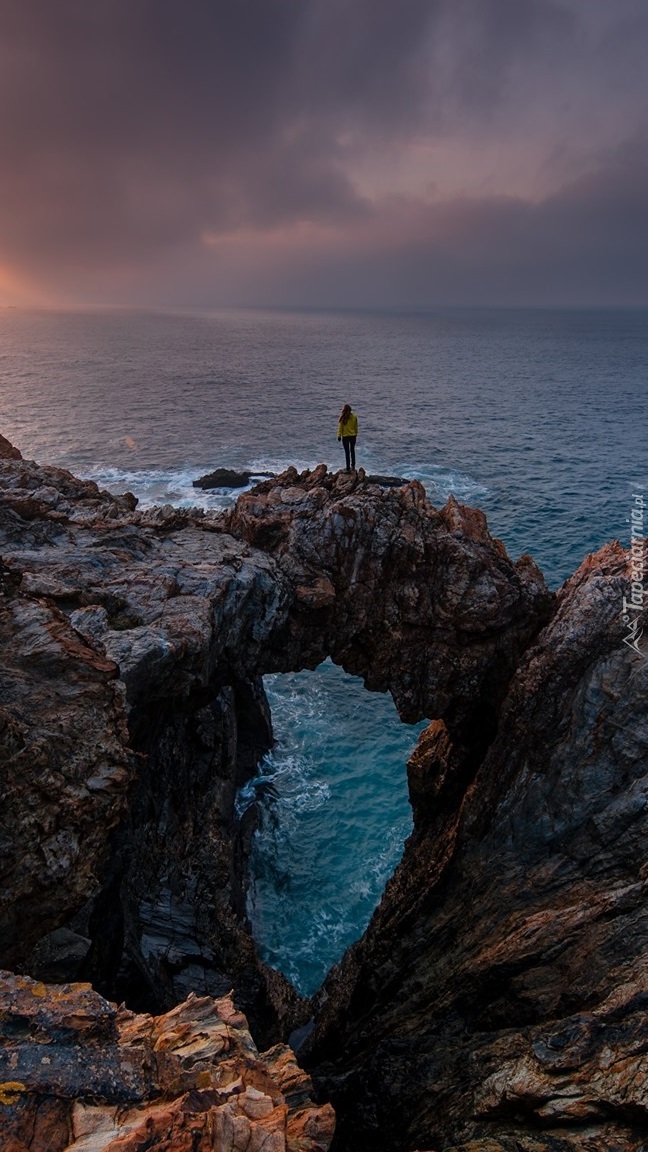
{"type": "Point", "coordinates": [155, 486]}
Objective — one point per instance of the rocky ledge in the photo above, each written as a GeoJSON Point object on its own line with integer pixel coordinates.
{"type": "Point", "coordinates": [81, 1074]}
{"type": "Point", "coordinates": [498, 999]}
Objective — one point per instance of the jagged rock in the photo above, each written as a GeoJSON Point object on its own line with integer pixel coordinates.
{"type": "Point", "coordinates": [65, 765]}
{"type": "Point", "coordinates": [7, 450]}
{"type": "Point", "coordinates": [499, 998]}
{"type": "Point", "coordinates": [79, 1073]}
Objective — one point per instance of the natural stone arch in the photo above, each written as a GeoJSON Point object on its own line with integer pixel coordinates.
{"type": "Point", "coordinates": [181, 613]}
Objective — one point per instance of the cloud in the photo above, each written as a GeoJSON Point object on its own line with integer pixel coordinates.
{"type": "Point", "coordinates": [209, 151]}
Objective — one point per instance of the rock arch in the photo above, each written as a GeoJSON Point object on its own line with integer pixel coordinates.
{"type": "Point", "coordinates": [134, 643]}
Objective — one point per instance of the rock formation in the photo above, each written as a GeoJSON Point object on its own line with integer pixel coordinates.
{"type": "Point", "coordinates": [79, 1073]}
{"type": "Point", "coordinates": [7, 450]}
{"type": "Point", "coordinates": [164, 622]}
{"type": "Point", "coordinates": [128, 720]}
{"type": "Point", "coordinates": [422, 603]}
{"type": "Point", "coordinates": [496, 1002]}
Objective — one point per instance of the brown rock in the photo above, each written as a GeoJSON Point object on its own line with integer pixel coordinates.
{"type": "Point", "coordinates": [7, 450]}
{"type": "Point", "coordinates": [85, 1074]}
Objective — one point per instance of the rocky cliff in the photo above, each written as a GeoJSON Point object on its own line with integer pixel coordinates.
{"type": "Point", "coordinates": [499, 998]}
{"type": "Point", "coordinates": [496, 1000]}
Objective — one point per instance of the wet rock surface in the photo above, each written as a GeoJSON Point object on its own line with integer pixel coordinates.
{"type": "Point", "coordinates": [79, 1073]}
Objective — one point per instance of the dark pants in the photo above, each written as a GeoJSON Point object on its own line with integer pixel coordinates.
{"type": "Point", "coordinates": [349, 450]}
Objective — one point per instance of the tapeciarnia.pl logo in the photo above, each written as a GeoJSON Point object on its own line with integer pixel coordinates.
{"type": "Point", "coordinates": [633, 603]}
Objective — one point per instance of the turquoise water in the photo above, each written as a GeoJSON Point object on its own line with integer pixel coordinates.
{"type": "Point", "coordinates": [333, 810]}
{"type": "Point", "coordinates": [536, 416]}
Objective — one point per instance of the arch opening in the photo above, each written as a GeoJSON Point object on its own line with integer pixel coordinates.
{"type": "Point", "coordinates": [332, 814]}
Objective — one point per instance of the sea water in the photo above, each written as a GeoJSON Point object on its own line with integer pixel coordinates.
{"type": "Point", "coordinates": [536, 416]}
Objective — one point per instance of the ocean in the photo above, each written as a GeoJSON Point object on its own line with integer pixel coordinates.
{"type": "Point", "coordinates": [537, 416]}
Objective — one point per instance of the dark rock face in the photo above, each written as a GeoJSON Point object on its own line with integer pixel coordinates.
{"type": "Point", "coordinates": [7, 450]}
{"type": "Point", "coordinates": [165, 621]}
{"type": "Point", "coordinates": [65, 764]}
{"type": "Point", "coordinates": [132, 712]}
{"type": "Point", "coordinates": [498, 999]}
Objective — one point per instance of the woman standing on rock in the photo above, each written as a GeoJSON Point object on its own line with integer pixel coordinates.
{"type": "Point", "coordinates": [347, 432]}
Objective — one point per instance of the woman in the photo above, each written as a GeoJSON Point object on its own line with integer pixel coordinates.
{"type": "Point", "coordinates": [347, 432]}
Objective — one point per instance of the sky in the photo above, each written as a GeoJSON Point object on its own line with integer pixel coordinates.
{"type": "Point", "coordinates": [323, 153]}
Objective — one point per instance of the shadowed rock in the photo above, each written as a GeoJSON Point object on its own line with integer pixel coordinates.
{"type": "Point", "coordinates": [7, 450]}
{"type": "Point", "coordinates": [498, 999]}
{"type": "Point", "coordinates": [420, 602]}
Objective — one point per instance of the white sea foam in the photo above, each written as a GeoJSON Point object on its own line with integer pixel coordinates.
{"type": "Point", "coordinates": [440, 482]}
{"type": "Point", "coordinates": [156, 486]}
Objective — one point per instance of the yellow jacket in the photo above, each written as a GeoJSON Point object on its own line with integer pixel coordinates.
{"type": "Point", "coordinates": [349, 427]}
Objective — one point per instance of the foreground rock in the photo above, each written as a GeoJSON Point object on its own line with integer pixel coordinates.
{"type": "Point", "coordinates": [79, 1073]}
{"type": "Point", "coordinates": [127, 721]}
{"type": "Point", "coordinates": [499, 1000]}
{"type": "Point", "coordinates": [66, 766]}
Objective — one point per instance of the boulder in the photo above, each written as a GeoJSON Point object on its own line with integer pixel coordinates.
{"type": "Point", "coordinates": [227, 478]}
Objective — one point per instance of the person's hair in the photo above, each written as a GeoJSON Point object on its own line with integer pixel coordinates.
{"type": "Point", "coordinates": [346, 411]}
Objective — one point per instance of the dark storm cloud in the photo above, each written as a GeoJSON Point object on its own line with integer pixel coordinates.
{"type": "Point", "coordinates": [128, 119]}
{"type": "Point", "coordinates": [586, 244]}
{"type": "Point", "coordinates": [132, 129]}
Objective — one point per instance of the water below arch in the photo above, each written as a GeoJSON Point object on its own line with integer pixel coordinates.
{"type": "Point", "coordinates": [333, 818]}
